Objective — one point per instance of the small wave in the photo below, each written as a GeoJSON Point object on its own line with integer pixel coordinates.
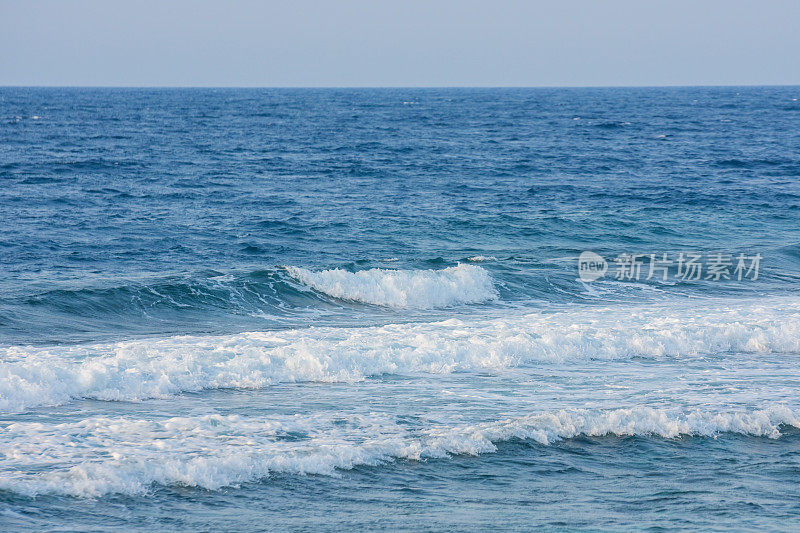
{"type": "Point", "coordinates": [611, 125]}
{"type": "Point", "coordinates": [424, 289]}
{"type": "Point", "coordinates": [481, 258]}
{"type": "Point", "coordinates": [100, 455]}
{"type": "Point", "coordinates": [157, 368]}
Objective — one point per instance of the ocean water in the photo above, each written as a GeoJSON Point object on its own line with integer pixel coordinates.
{"type": "Point", "coordinates": [326, 309]}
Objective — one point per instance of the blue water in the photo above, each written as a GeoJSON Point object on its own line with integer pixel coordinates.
{"type": "Point", "coordinates": [317, 309]}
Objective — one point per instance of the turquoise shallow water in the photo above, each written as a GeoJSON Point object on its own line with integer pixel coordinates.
{"type": "Point", "coordinates": [311, 309]}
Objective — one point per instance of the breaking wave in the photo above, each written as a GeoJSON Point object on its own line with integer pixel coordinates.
{"type": "Point", "coordinates": [155, 368]}
{"type": "Point", "coordinates": [100, 455]}
{"type": "Point", "coordinates": [424, 289]}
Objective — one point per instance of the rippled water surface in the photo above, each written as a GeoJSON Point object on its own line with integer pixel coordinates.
{"type": "Point", "coordinates": [314, 309]}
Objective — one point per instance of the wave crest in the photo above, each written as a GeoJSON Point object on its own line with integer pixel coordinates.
{"type": "Point", "coordinates": [424, 289]}
{"type": "Point", "coordinates": [100, 455]}
{"type": "Point", "coordinates": [153, 368]}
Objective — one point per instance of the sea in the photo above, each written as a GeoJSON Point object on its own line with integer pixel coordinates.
{"type": "Point", "coordinates": [399, 309]}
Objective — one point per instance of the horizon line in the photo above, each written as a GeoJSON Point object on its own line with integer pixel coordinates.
{"type": "Point", "coordinates": [675, 86]}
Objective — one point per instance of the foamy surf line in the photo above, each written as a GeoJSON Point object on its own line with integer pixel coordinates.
{"type": "Point", "coordinates": [98, 456]}
{"type": "Point", "coordinates": [423, 289]}
{"type": "Point", "coordinates": [157, 368]}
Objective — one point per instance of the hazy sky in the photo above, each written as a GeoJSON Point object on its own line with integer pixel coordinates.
{"type": "Point", "coordinates": [399, 43]}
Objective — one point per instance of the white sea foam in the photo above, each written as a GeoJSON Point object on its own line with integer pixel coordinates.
{"type": "Point", "coordinates": [425, 289]}
{"type": "Point", "coordinates": [101, 455]}
{"type": "Point", "coordinates": [481, 258]}
{"type": "Point", "coordinates": [154, 368]}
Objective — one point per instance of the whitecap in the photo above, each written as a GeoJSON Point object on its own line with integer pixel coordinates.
{"type": "Point", "coordinates": [105, 455]}
{"type": "Point", "coordinates": [424, 289]}
{"type": "Point", "coordinates": [481, 258]}
{"type": "Point", "coordinates": [155, 368]}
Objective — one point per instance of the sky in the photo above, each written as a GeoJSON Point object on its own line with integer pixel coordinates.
{"type": "Point", "coordinates": [400, 43]}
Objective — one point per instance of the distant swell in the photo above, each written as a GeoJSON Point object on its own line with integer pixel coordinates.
{"type": "Point", "coordinates": [424, 289]}
{"type": "Point", "coordinates": [99, 455]}
{"type": "Point", "coordinates": [153, 368]}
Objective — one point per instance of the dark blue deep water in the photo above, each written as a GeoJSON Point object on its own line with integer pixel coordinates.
{"type": "Point", "coordinates": [316, 309]}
